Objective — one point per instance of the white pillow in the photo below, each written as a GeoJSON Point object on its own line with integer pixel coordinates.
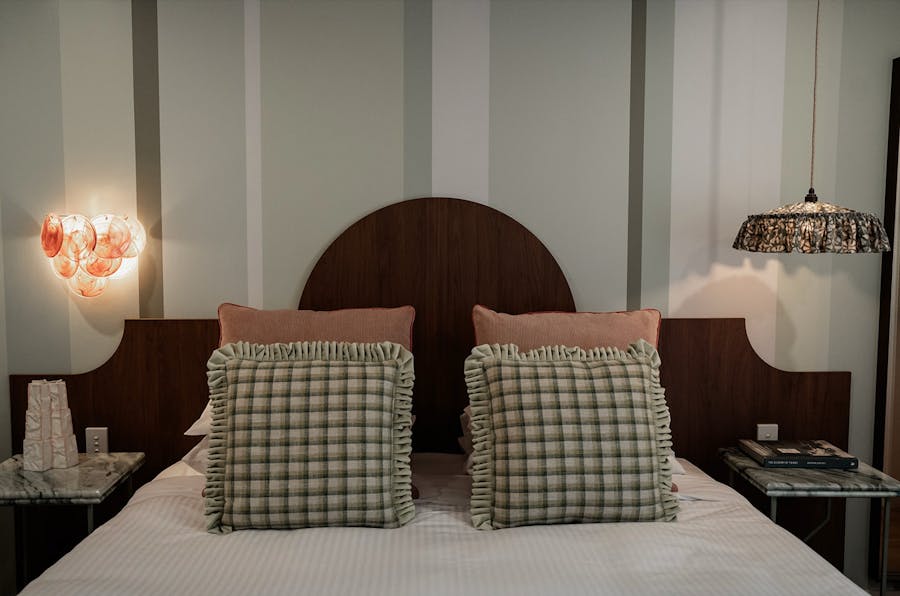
{"type": "Point", "coordinates": [677, 468]}
{"type": "Point", "coordinates": [198, 456]}
{"type": "Point", "coordinates": [202, 425]}
{"type": "Point", "coordinates": [178, 470]}
{"type": "Point", "coordinates": [465, 421]}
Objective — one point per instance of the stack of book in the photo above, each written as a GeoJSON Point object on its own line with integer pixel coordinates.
{"type": "Point", "coordinates": [798, 454]}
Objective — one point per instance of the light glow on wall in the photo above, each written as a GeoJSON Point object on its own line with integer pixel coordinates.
{"type": "Point", "coordinates": [87, 253]}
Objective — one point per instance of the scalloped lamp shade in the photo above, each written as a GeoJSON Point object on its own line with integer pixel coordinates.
{"type": "Point", "coordinates": [87, 252]}
{"type": "Point", "coordinates": [812, 227]}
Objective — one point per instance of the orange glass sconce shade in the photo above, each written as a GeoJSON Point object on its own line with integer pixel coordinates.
{"type": "Point", "coordinates": [86, 252]}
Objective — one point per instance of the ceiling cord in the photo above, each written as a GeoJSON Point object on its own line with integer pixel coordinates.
{"type": "Point", "coordinates": [812, 159]}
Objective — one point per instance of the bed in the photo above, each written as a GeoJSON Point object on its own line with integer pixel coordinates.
{"type": "Point", "coordinates": [720, 545]}
{"type": "Point", "coordinates": [443, 256]}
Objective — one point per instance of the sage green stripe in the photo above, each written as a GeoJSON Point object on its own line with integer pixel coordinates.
{"type": "Point", "coordinates": [636, 153]}
{"type": "Point", "coordinates": [656, 199]}
{"type": "Point", "coordinates": [146, 152]}
{"type": "Point", "coordinates": [416, 98]}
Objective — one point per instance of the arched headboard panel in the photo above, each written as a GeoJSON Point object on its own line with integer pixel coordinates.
{"type": "Point", "coordinates": [442, 256]}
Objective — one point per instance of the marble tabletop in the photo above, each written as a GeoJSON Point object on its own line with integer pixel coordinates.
{"type": "Point", "coordinates": [811, 482]}
{"type": "Point", "coordinates": [88, 483]}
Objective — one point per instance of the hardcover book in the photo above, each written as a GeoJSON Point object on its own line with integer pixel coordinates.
{"type": "Point", "coordinates": [798, 454]}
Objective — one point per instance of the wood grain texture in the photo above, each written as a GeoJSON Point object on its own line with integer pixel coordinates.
{"type": "Point", "coordinates": [148, 393]}
{"type": "Point", "coordinates": [442, 256]}
{"type": "Point", "coordinates": [718, 389]}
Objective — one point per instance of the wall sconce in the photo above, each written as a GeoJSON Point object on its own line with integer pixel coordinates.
{"type": "Point", "coordinates": [88, 252]}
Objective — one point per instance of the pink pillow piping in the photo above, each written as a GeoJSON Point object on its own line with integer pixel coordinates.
{"type": "Point", "coordinates": [619, 342]}
{"type": "Point", "coordinates": [313, 325]}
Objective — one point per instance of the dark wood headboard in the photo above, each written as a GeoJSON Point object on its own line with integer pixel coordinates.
{"type": "Point", "coordinates": [443, 256]}
{"type": "Point", "coordinates": [154, 387]}
{"type": "Point", "coordinates": [148, 392]}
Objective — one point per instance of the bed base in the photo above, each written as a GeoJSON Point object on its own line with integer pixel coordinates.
{"type": "Point", "coordinates": [154, 386]}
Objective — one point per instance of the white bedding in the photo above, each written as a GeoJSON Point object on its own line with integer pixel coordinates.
{"type": "Point", "coordinates": [719, 545]}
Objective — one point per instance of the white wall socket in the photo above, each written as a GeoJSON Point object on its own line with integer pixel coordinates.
{"type": "Point", "coordinates": [96, 439]}
{"type": "Point", "coordinates": [766, 432]}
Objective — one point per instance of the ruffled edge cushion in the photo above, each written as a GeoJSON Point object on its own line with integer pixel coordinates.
{"type": "Point", "coordinates": [306, 351]}
{"type": "Point", "coordinates": [482, 433]}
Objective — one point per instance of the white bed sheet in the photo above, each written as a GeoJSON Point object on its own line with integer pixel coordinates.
{"type": "Point", "coordinates": [719, 545]}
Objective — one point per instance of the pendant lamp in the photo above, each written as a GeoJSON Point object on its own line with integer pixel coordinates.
{"type": "Point", "coordinates": [812, 226]}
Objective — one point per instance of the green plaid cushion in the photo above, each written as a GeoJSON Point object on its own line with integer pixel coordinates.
{"type": "Point", "coordinates": [309, 434]}
{"type": "Point", "coordinates": [564, 435]}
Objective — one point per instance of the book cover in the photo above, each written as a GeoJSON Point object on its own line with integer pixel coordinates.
{"type": "Point", "coordinates": [798, 454]}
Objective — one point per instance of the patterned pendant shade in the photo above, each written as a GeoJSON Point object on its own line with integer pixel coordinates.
{"type": "Point", "coordinates": [811, 226]}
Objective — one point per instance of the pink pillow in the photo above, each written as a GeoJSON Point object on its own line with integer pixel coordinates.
{"type": "Point", "coordinates": [360, 325]}
{"type": "Point", "coordinates": [582, 329]}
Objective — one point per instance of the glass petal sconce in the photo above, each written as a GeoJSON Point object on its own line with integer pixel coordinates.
{"type": "Point", "coordinates": [87, 252]}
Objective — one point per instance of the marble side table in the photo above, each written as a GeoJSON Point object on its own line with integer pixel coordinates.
{"type": "Point", "coordinates": [88, 483]}
{"type": "Point", "coordinates": [865, 482]}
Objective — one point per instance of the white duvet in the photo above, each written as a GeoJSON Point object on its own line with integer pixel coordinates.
{"type": "Point", "coordinates": [719, 545]}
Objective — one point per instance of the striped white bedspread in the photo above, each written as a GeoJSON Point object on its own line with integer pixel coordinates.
{"type": "Point", "coordinates": [721, 546]}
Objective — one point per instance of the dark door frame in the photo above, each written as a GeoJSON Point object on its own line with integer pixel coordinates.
{"type": "Point", "coordinates": [884, 313]}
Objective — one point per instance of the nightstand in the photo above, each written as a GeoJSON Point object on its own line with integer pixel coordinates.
{"type": "Point", "coordinates": [865, 482]}
{"type": "Point", "coordinates": [94, 478]}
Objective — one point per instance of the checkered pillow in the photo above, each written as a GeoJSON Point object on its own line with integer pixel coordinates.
{"type": "Point", "coordinates": [564, 435]}
{"type": "Point", "coordinates": [309, 434]}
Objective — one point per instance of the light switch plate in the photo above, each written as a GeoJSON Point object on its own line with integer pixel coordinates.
{"type": "Point", "coordinates": [96, 439]}
{"type": "Point", "coordinates": [766, 432]}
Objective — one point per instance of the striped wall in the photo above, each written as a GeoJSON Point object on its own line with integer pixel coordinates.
{"type": "Point", "coordinates": [631, 137]}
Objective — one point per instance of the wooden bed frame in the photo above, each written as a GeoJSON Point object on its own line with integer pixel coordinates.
{"type": "Point", "coordinates": [443, 256]}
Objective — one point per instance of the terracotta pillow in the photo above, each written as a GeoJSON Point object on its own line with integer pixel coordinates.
{"type": "Point", "coordinates": [574, 329]}
{"type": "Point", "coordinates": [357, 325]}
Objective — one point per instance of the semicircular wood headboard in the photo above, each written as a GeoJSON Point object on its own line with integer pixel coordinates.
{"type": "Point", "coordinates": [442, 256]}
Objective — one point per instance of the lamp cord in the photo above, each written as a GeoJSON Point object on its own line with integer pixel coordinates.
{"type": "Point", "coordinates": [812, 159]}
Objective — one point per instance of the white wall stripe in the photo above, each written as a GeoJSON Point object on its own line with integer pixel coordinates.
{"type": "Point", "coordinates": [461, 45]}
{"type": "Point", "coordinates": [253, 124]}
{"type": "Point", "coordinates": [202, 156]}
{"type": "Point", "coordinates": [727, 107]}
{"type": "Point", "coordinates": [99, 148]}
